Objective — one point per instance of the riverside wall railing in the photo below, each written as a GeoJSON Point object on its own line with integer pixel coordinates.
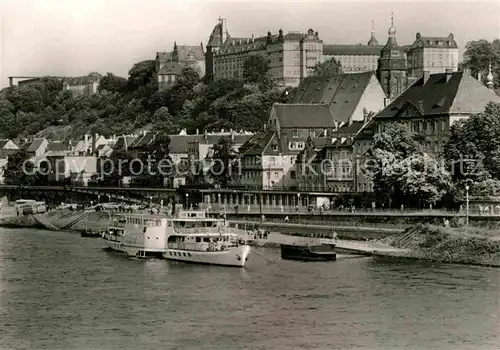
{"type": "Point", "coordinates": [301, 210]}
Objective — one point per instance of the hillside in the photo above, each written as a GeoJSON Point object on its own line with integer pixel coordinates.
{"type": "Point", "coordinates": [124, 105]}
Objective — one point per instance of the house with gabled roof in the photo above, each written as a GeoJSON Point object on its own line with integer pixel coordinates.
{"type": "Point", "coordinates": [7, 147]}
{"type": "Point", "coordinates": [58, 148]}
{"type": "Point", "coordinates": [347, 95]}
{"type": "Point", "coordinates": [37, 147]}
{"type": "Point", "coordinates": [435, 102]}
{"type": "Point", "coordinates": [322, 109]}
{"type": "Point", "coordinates": [331, 165]}
{"type": "Point", "coordinates": [169, 65]}
{"type": "Point", "coordinates": [123, 142]}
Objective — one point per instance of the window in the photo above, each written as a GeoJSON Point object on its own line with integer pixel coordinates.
{"type": "Point", "coordinates": [274, 147]}
{"type": "Point", "coordinates": [295, 133]}
{"type": "Point", "coordinates": [293, 175]}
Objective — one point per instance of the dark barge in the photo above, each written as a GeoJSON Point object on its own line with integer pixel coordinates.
{"type": "Point", "coordinates": [308, 252]}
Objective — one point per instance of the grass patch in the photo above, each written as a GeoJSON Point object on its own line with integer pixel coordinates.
{"type": "Point", "coordinates": [460, 245]}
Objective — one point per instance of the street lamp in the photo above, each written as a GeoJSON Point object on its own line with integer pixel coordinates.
{"type": "Point", "coordinates": [99, 199]}
{"type": "Point", "coordinates": [187, 201]}
{"type": "Point", "coordinates": [150, 201]}
{"type": "Point", "coordinates": [467, 205]}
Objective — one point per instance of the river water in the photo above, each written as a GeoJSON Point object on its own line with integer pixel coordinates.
{"type": "Point", "coordinates": [60, 291]}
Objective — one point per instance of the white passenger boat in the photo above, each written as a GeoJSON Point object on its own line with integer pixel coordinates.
{"type": "Point", "coordinates": [196, 238]}
{"type": "Point", "coordinates": [190, 237]}
{"type": "Point", "coordinates": [137, 235]}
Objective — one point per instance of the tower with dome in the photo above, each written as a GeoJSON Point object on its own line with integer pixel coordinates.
{"type": "Point", "coordinates": [391, 71]}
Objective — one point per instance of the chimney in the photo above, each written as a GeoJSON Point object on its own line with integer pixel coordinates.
{"type": "Point", "coordinates": [205, 135]}
{"type": "Point", "coordinates": [449, 74]}
{"type": "Point", "coordinates": [265, 126]}
{"type": "Point", "coordinates": [479, 76]}
{"type": "Point", "coordinates": [427, 75]}
{"type": "Point", "coordinates": [232, 135]}
{"type": "Point", "coordinates": [197, 131]}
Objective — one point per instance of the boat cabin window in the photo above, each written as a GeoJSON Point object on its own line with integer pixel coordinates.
{"type": "Point", "coordinates": [198, 239]}
{"type": "Point", "coordinates": [206, 239]}
{"type": "Point", "coordinates": [195, 224]}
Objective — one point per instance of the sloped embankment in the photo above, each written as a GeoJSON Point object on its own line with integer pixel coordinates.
{"type": "Point", "coordinates": [56, 220]}
{"type": "Point", "coordinates": [475, 246]}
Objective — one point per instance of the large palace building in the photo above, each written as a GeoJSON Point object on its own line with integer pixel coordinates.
{"type": "Point", "coordinates": [290, 56]}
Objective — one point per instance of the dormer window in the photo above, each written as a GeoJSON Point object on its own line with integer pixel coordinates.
{"type": "Point", "coordinates": [295, 133]}
{"type": "Point", "coordinates": [274, 147]}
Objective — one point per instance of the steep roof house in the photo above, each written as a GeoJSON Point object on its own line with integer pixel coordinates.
{"type": "Point", "coordinates": [435, 102]}
{"type": "Point", "coordinates": [321, 107]}
{"type": "Point", "coordinates": [37, 147]}
{"type": "Point", "coordinates": [7, 147]}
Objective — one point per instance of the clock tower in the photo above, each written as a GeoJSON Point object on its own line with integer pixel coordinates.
{"type": "Point", "coordinates": [391, 71]}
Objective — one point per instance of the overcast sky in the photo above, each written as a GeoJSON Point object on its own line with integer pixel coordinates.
{"type": "Point", "coordinates": [74, 37]}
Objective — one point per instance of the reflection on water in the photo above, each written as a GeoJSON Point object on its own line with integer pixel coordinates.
{"type": "Point", "coordinates": [59, 291]}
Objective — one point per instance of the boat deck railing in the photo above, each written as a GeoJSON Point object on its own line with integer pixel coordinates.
{"type": "Point", "coordinates": [202, 230]}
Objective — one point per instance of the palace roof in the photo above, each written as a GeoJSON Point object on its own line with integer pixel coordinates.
{"type": "Point", "coordinates": [170, 67]}
{"type": "Point", "coordinates": [183, 52]}
{"type": "Point", "coordinates": [352, 50]}
{"type": "Point", "coordinates": [446, 42]}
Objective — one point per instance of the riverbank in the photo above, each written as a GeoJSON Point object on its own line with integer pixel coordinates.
{"type": "Point", "coordinates": [466, 245]}
{"type": "Point", "coordinates": [67, 220]}
{"type": "Point", "coordinates": [469, 246]}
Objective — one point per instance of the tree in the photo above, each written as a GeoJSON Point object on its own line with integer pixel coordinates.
{"type": "Point", "coordinates": [26, 98]}
{"type": "Point", "coordinates": [402, 170]}
{"type": "Point", "coordinates": [8, 125]}
{"type": "Point", "coordinates": [113, 83]}
{"type": "Point", "coordinates": [479, 54]}
{"type": "Point", "coordinates": [142, 78]}
{"type": "Point", "coordinates": [223, 157]}
{"type": "Point", "coordinates": [473, 148]}
{"type": "Point", "coordinates": [161, 162]}
{"type": "Point", "coordinates": [328, 68]}
{"type": "Point", "coordinates": [188, 78]}
{"type": "Point", "coordinates": [116, 167]}
{"type": "Point", "coordinates": [19, 170]}
{"type": "Point", "coordinates": [255, 69]}
{"type": "Point", "coordinates": [164, 122]}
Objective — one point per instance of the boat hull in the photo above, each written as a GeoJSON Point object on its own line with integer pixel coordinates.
{"type": "Point", "coordinates": [308, 252]}
{"type": "Point", "coordinates": [136, 251]}
{"type": "Point", "coordinates": [233, 256]}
